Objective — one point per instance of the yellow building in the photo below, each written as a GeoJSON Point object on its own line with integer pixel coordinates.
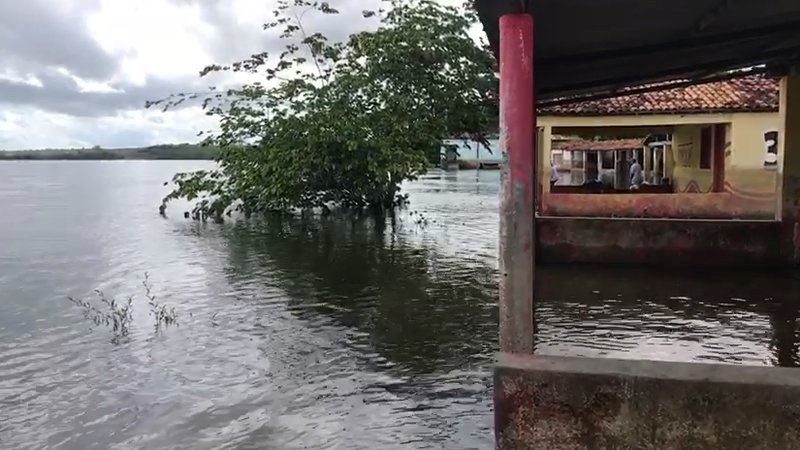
{"type": "Point", "coordinates": [708, 151]}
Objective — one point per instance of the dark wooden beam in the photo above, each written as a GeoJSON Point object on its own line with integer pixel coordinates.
{"type": "Point", "coordinates": [712, 14]}
{"type": "Point", "coordinates": [684, 70]}
{"type": "Point", "coordinates": [775, 32]}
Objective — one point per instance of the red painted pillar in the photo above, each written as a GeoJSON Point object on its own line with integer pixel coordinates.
{"type": "Point", "coordinates": [518, 137]}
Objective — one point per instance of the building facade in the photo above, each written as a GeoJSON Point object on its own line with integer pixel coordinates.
{"type": "Point", "coordinates": [708, 151]}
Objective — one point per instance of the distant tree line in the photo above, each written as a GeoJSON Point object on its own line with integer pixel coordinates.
{"type": "Point", "coordinates": [166, 151]}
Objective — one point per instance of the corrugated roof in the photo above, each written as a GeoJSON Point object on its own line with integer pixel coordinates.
{"type": "Point", "coordinates": [751, 93]}
{"type": "Point", "coordinates": [602, 145]}
{"type": "Point", "coordinates": [602, 46]}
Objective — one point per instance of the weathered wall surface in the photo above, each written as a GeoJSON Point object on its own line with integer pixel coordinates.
{"type": "Point", "coordinates": [707, 243]}
{"type": "Point", "coordinates": [723, 205]}
{"type": "Point", "coordinates": [746, 173]}
{"type": "Point", "coordinates": [581, 403]}
{"type": "Point", "coordinates": [684, 161]}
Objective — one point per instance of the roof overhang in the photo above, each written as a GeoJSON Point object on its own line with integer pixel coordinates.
{"type": "Point", "coordinates": [604, 46]}
{"type": "Point", "coordinates": [609, 145]}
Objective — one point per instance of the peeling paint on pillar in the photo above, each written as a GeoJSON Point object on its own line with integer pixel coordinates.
{"type": "Point", "coordinates": [518, 137]}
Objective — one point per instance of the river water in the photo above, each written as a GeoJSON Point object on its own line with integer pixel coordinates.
{"type": "Point", "coordinates": [311, 333]}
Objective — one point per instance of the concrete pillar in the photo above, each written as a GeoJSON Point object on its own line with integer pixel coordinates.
{"type": "Point", "coordinates": [622, 165]}
{"type": "Point", "coordinates": [669, 162]}
{"type": "Point", "coordinates": [546, 152]}
{"type": "Point", "coordinates": [657, 162]}
{"type": "Point", "coordinates": [586, 173]}
{"type": "Point", "coordinates": [720, 137]}
{"type": "Point", "coordinates": [519, 133]}
{"type": "Point", "coordinates": [789, 145]}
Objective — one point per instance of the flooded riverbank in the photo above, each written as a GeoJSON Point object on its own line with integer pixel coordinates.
{"type": "Point", "coordinates": [317, 333]}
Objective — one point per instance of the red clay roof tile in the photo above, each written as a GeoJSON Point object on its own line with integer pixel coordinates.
{"type": "Point", "coordinates": [751, 93]}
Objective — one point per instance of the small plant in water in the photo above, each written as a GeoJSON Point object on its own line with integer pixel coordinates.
{"type": "Point", "coordinates": [162, 314]}
{"type": "Point", "coordinates": [119, 315]}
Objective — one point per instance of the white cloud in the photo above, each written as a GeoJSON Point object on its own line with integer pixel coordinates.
{"type": "Point", "coordinates": [152, 37]}
{"type": "Point", "coordinates": [14, 77]}
{"type": "Point", "coordinates": [76, 73]}
{"type": "Point", "coordinates": [27, 127]}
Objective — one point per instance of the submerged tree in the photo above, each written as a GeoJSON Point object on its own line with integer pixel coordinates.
{"type": "Point", "coordinates": [342, 123]}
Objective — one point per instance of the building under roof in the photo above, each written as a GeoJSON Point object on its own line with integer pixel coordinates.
{"type": "Point", "coordinates": [604, 46]}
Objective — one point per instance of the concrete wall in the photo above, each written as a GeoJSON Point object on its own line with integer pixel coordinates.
{"type": "Point", "coordinates": [581, 403]}
{"type": "Point", "coordinates": [748, 151]}
{"type": "Point", "coordinates": [723, 205]}
{"type": "Point", "coordinates": [746, 175]}
{"type": "Point", "coordinates": [705, 243]}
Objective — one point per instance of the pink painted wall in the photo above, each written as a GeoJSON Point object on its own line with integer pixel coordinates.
{"type": "Point", "coordinates": [724, 205]}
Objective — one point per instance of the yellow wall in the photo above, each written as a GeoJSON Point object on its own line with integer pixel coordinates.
{"type": "Point", "coordinates": [746, 171]}
{"type": "Point", "coordinates": [744, 156]}
{"type": "Point", "coordinates": [687, 176]}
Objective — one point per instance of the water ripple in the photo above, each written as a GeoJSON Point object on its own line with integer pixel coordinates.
{"type": "Point", "coordinates": [311, 333]}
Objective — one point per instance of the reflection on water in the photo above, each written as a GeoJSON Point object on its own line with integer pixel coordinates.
{"type": "Point", "coordinates": [731, 317]}
{"type": "Point", "coordinates": [420, 310]}
{"type": "Point", "coordinates": [312, 333]}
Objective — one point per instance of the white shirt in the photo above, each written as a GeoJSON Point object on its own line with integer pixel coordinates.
{"type": "Point", "coordinates": [637, 177]}
{"type": "Point", "coordinates": [554, 176]}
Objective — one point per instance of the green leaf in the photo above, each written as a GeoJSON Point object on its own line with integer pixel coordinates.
{"type": "Point", "coordinates": [342, 123]}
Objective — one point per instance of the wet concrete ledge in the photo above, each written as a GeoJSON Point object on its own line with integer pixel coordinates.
{"type": "Point", "coordinates": [666, 242]}
{"type": "Point", "coordinates": [559, 403]}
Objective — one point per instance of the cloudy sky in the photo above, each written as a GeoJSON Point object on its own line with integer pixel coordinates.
{"type": "Point", "coordinates": [76, 73]}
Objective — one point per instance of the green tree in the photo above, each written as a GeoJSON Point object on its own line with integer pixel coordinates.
{"type": "Point", "coordinates": [342, 123]}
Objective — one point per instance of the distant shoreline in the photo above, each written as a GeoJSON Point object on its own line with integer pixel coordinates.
{"type": "Point", "coordinates": [155, 152]}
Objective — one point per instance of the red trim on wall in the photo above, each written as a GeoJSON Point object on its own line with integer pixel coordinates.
{"type": "Point", "coordinates": [692, 187]}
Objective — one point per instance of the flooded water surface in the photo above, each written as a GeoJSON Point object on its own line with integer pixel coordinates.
{"type": "Point", "coordinates": [315, 332]}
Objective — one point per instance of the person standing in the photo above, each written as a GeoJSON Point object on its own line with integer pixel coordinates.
{"type": "Point", "coordinates": [554, 175]}
{"type": "Point", "coordinates": [637, 176]}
